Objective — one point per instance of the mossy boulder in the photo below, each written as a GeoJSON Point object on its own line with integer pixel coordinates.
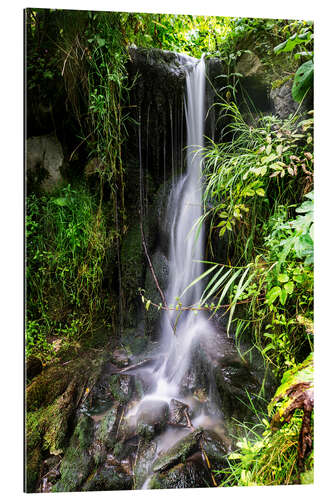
{"type": "Point", "coordinates": [121, 387]}
{"type": "Point", "coordinates": [179, 452]}
{"type": "Point", "coordinates": [145, 455]}
{"type": "Point", "coordinates": [33, 466]}
{"type": "Point", "coordinates": [188, 475]}
{"type": "Point", "coordinates": [45, 388]}
{"type": "Point", "coordinates": [52, 400]}
{"type": "Point", "coordinates": [105, 437]}
{"type": "Point", "coordinates": [108, 478]}
{"type": "Point", "coordinates": [77, 462]}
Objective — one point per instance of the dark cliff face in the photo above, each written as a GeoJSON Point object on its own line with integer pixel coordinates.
{"type": "Point", "coordinates": [158, 87]}
{"type": "Point", "coordinates": [157, 80]}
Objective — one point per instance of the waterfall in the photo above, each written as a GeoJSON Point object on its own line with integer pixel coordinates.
{"type": "Point", "coordinates": [180, 331]}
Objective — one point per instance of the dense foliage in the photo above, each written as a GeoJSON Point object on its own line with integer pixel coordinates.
{"type": "Point", "coordinates": [253, 187]}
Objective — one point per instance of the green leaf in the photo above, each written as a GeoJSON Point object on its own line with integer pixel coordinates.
{"type": "Point", "coordinates": [289, 44]}
{"type": "Point", "coordinates": [283, 278]}
{"type": "Point", "coordinates": [199, 278]}
{"type": "Point", "coordinates": [283, 296]}
{"type": "Point", "coordinates": [272, 295]}
{"type": "Point", "coordinates": [240, 288]}
{"type": "Point", "coordinates": [216, 285]}
{"type": "Point", "coordinates": [303, 81]}
{"type": "Point", "coordinates": [260, 192]}
{"type": "Point", "coordinates": [289, 287]}
{"type": "Point", "coordinates": [61, 202]}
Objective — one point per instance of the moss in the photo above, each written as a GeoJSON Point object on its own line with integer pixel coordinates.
{"type": "Point", "coordinates": [279, 82]}
{"type": "Point", "coordinates": [77, 462]}
{"type": "Point", "coordinates": [145, 454]}
{"type": "Point", "coordinates": [155, 483]}
{"type": "Point", "coordinates": [33, 464]}
{"type": "Point", "coordinates": [46, 387]}
{"type": "Point", "coordinates": [105, 435]}
{"type": "Point", "coordinates": [120, 392]}
{"type": "Point", "coordinates": [47, 426]}
{"type": "Point", "coordinates": [108, 479]}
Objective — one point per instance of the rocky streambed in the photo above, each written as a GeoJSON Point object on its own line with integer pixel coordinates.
{"type": "Point", "coordinates": [91, 425]}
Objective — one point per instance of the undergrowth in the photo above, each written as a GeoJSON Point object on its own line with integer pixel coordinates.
{"type": "Point", "coordinates": [67, 244]}
{"type": "Point", "coordinates": [258, 200]}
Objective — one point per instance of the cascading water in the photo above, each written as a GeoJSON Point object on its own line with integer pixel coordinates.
{"type": "Point", "coordinates": [181, 331]}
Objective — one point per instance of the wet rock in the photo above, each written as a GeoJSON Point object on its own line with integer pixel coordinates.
{"type": "Point", "coordinates": [45, 159]}
{"type": "Point", "coordinates": [132, 265]}
{"type": "Point", "coordinates": [157, 96]}
{"type": "Point", "coordinates": [50, 474]}
{"type": "Point", "coordinates": [188, 475]}
{"type": "Point", "coordinates": [235, 383]}
{"type": "Point", "coordinates": [107, 478]}
{"type": "Point", "coordinates": [179, 452]}
{"type": "Point", "coordinates": [126, 427]}
{"type": "Point", "coordinates": [121, 387]}
{"type": "Point", "coordinates": [177, 412]}
{"type": "Point", "coordinates": [33, 465]}
{"type": "Point", "coordinates": [120, 358]}
{"type": "Point", "coordinates": [105, 436]}
{"type": "Point", "coordinates": [45, 388]}
{"type": "Point", "coordinates": [215, 448]}
{"type": "Point", "coordinates": [159, 222]}
{"type": "Point", "coordinates": [145, 456]}
{"type": "Point", "coordinates": [135, 339]}
{"type": "Point", "coordinates": [77, 462]}
{"type": "Point", "coordinates": [153, 416]}
{"type": "Point", "coordinates": [161, 268]}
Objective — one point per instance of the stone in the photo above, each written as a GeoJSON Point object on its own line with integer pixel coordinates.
{"type": "Point", "coordinates": [145, 455]}
{"type": "Point", "coordinates": [248, 64]}
{"type": "Point", "coordinates": [153, 416]}
{"type": "Point", "coordinates": [92, 167]}
{"type": "Point", "coordinates": [177, 412]}
{"type": "Point", "coordinates": [283, 102]}
{"type": "Point", "coordinates": [34, 367]}
{"type": "Point", "coordinates": [77, 462]}
{"type": "Point", "coordinates": [108, 478]}
{"type": "Point", "coordinates": [188, 475]}
{"type": "Point", "coordinates": [179, 452]}
{"type": "Point", "coordinates": [44, 160]}
{"type": "Point", "coordinates": [161, 268]}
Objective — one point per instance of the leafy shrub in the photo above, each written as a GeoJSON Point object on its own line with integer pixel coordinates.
{"type": "Point", "coordinates": [66, 247]}
{"type": "Point", "coordinates": [254, 182]}
{"type": "Point", "coordinates": [277, 452]}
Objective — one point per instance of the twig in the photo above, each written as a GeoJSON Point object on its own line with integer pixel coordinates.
{"type": "Point", "coordinates": [188, 420]}
{"type": "Point", "coordinates": [65, 61]}
{"type": "Point", "coordinates": [193, 308]}
{"type": "Point", "coordinates": [77, 147]}
{"type": "Point", "coordinates": [166, 308]}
